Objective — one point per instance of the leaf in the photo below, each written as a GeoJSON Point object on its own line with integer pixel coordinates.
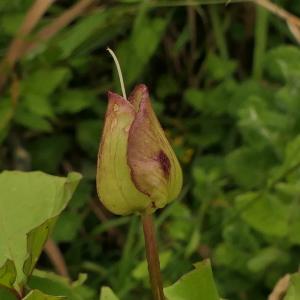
{"type": "Point", "coordinates": [248, 166]}
{"type": "Point", "coordinates": [36, 240]}
{"type": "Point", "coordinates": [107, 294]}
{"type": "Point", "coordinates": [10, 23]}
{"type": "Point", "coordinates": [74, 101]}
{"type": "Point", "coordinates": [81, 31]}
{"type": "Point", "coordinates": [7, 294]}
{"type": "Point", "coordinates": [195, 285]}
{"type": "Point", "coordinates": [67, 227]}
{"type": "Point", "coordinates": [38, 104]}
{"type": "Point", "coordinates": [291, 160]}
{"type": "Point", "coordinates": [47, 158]}
{"type": "Point", "coordinates": [219, 68]}
{"type": "Point", "coordinates": [195, 98]}
{"type": "Point", "coordinates": [283, 62]}
{"type": "Point", "coordinates": [8, 274]}
{"type": "Point", "coordinates": [266, 213]}
{"type": "Point", "coordinates": [293, 292]}
{"type": "Point", "coordinates": [38, 295]}
{"type": "Point", "coordinates": [213, 101]}
{"type": "Point", "coordinates": [261, 125]}
{"type": "Point", "coordinates": [32, 121]}
{"type": "Point", "coordinates": [44, 81]}
{"type": "Point", "coordinates": [231, 257]}
{"type": "Point", "coordinates": [53, 284]}
{"type": "Point", "coordinates": [265, 258]}
{"type": "Point", "coordinates": [30, 203]}
{"type": "Point", "coordinates": [87, 135]}
{"type": "Point", "coordinates": [135, 53]}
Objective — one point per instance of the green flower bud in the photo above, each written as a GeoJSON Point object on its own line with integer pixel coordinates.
{"type": "Point", "coordinates": [137, 168]}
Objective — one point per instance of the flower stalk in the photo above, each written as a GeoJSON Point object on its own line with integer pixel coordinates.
{"type": "Point", "coordinates": [152, 257]}
{"type": "Point", "coordinates": [137, 170]}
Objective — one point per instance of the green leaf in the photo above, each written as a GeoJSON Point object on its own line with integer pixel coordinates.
{"type": "Point", "coordinates": [218, 68]}
{"type": "Point", "coordinates": [38, 104]}
{"type": "Point", "coordinates": [291, 160]}
{"type": "Point", "coordinates": [47, 158]}
{"type": "Point", "coordinates": [38, 295]}
{"type": "Point", "coordinates": [74, 101]}
{"type": "Point", "coordinates": [53, 284]}
{"type": "Point", "coordinates": [284, 62]}
{"type": "Point", "coordinates": [7, 294]}
{"type": "Point", "coordinates": [88, 136]}
{"type": "Point", "coordinates": [44, 81]}
{"type": "Point", "coordinates": [249, 166]}
{"type": "Point", "coordinates": [11, 22]}
{"type": "Point", "coordinates": [8, 274]}
{"type": "Point", "coordinates": [195, 285]}
{"type": "Point", "coordinates": [213, 101]}
{"type": "Point", "coordinates": [135, 53]}
{"type": "Point", "coordinates": [30, 203]}
{"type": "Point", "coordinates": [264, 258]}
{"type": "Point", "coordinates": [231, 257]}
{"type": "Point", "coordinates": [107, 294]}
{"type": "Point", "coordinates": [293, 292]}
{"type": "Point", "coordinates": [261, 125]}
{"type": "Point", "coordinates": [195, 98]}
{"type": "Point", "coordinates": [69, 40]}
{"type": "Point", "coordinates": [266, 213]}
{"type": "Point", "coordinates": [36, 240]}
{"type": "Point", "coordinates": [67, 227]}
{"type": "Point", "coordinates": [31, 120]}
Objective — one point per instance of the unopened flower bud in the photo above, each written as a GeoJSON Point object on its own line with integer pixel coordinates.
{"type": "Point", "coordinates": [137, 168]}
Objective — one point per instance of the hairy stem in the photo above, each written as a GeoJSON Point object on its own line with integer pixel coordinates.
{"type": "Point", "coordinates": [152, 258]}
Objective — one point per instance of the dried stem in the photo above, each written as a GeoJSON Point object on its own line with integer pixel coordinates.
{"type": "Point", "coordinates": [152, 257]}
{"type": "Point", "coordinates": [278, 11]}
{"type": "Point", "coordinates": [59, 23]}
{"type": "Point", "coordinates": [280, 288]}
{"type": "Point", "coordinates": [33, 16]}
{"type": "Point", "coordinates": [21, 46]}
{"type": "Point", "coordinates": [57, 259]}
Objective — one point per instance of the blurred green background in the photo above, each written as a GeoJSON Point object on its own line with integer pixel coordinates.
{"type": "Point", "coordinates": [225, 83]}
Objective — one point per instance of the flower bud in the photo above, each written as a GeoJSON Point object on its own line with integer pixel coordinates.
{"type": "Point", "coordinates": [137, 169]}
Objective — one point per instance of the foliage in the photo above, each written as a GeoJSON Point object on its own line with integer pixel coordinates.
{"type": "Point", "coordinates": [197, 284]}
{"type": "Point", "coordinates": [30, 204]}
{"type": "Point", "coordinates": [235, 129]}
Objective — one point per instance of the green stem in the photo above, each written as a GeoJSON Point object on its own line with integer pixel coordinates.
{"type": "Point", "coordinates": [218, 31]}
{"type": "Point", "coordinates": [152, 258]}
{"type": "Point", "coordinates": [261, 31]}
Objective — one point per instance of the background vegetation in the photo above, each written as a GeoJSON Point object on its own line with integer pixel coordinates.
{"type": "Point", "coordinates": [225, 82]}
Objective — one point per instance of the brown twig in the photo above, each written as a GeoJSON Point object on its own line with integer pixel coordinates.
{"type": "Point", "coordinates": [20, 46]}
{"type": "Point", "coordinates": [58, 24]}
{"type": "Point", "coordinates": [56, 258]}
{"type": "Point", "coordinates": [280, 288]}
{"type": "Point", "coordinates": [152, 258]}
{"type": "Point", "coordinates": [33, 16]}
{"type": "Point", "coordinates": [278, 11]}
{"type": "Point", "coordinates": [295, 30]}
